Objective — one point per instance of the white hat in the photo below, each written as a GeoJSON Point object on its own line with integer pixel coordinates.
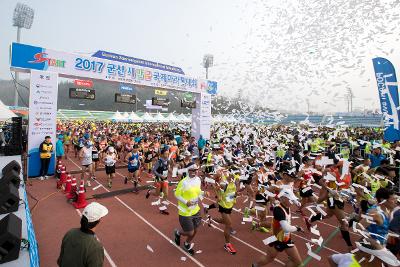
{"type": "Point", "coordinates": [94, 212]}
{"type": "Point", "coordinates": [111, 149]}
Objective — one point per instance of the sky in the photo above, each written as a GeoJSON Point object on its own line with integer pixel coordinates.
{"type": "Point", "coordinates": [279, 54]}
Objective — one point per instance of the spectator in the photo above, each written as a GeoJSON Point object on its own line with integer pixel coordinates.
{"type": "Point", "coordinates": [45, 149]}
{"type": "Point", "coordinates": [80, 246]}
{"type": "Point", "coordinates": [60, 147]}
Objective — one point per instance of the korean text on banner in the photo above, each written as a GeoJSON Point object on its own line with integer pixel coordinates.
{"type": "Point", "coordinates": [386, 80]}
{"type": "Point", "coordinates": [42, 117]}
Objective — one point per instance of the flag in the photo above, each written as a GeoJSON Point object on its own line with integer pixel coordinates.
{"type": "Point", "coordinates": [386, 80]}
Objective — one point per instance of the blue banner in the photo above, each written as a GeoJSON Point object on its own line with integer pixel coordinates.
{"type": "Point", "coordinates": [33, 245]}
{"type": "Point", "coordinates": [137, 61]}
{"type": "Point", "coordinates": [126, 89]}
{"type": "Point", "coordinates": [386, 80]}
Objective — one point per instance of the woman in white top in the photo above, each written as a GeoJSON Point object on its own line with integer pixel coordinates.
{"type": "Point", "coordinates": [85, 155]}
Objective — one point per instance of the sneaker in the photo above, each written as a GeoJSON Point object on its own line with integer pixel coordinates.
{"type": "Point", "coordinates": [233, 232]}
{"type": "Point", "coordinates": [164, 212]}
{"type": "Point", "coordinates": [209, 220]}
{"type": "Point", "coordinates": [88, 183]}
{"type": "Point", "coordinates": [41, 178]}
{"type": "Point", "coordinates": [135, 183]}
{"type": "Point", "coordinates": [148, 193]}
{"type": "Point", "coordinates": [126, 180]}
{"type": "Point", "coordinates": [177, 237]}
{"type": "Point", "coordinates": [254, 225]}
{"type": "Point", "coordinates": [46, 177]}
{"type": "Point", "coordinates": [189, 248]}
{"type": "Point", "coordinates": [263, 229]}
{"type": "Point", "coordinates": [94, 178]}
{"type": "Point", "coordinates": [228, 247]}
{"type": "Point", "coordinates": [109, 184]}
{"type": "Point", "coordinates": [246, 212]}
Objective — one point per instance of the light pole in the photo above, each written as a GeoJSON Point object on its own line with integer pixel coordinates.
{"type": "Point", "coordinates": [22, 18]}
{"type": "Point", "coordinates": [208, 61]}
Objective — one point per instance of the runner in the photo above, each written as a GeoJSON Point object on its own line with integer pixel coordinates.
{"type": "Point", "coordinates": [188, 192]}
{"type": "Point", "coordinates": [282, 229]}
{"type": "Point", "coordinates": [134, 161]}
{"type": "Point", "coordinates": [109, 161]}
{"type": "Point", "coordinates": [85, 156]}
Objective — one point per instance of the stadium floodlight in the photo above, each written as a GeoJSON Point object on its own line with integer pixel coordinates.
{"type": "Point", "coordinates": [23, 16]}
{"type": "Point", "coordinates": [208, 61]}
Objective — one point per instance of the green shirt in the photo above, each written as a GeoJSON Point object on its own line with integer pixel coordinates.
{"type": "Point", "coordinates": [79, 249]}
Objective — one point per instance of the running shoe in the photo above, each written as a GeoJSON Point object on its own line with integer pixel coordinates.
{"type": "Point", "coordinates": [246, 212]}
{"type": "Point", "coordinates": [254, 225]}
{"type": "Point", "coordinates": [126, 180]}
{"type": "Point", "coordinates": [109, 184]}
{"type": "Point", "coordinates": [135, 183]}
{"type": "Point", "coordinates": [233, 232]}
{"type": "Point", "coordinates": [177, 237]}
{"type": "Point", "coordinates": [189, 248]}
{"type": "Point", "coordinates": [46, 177]}
{"type": "Point", "coordinates": [209, 220]}
{"type": "Point", "coordinates": [263, 229]}
{"type": "Point", "coordinates": [164, 212]}
{"type": "Point", "coordinates": [94, 178]}
{"type": "Point", "coordinates": [308, 223]}
{"type": "Point", "coordinates": [148, 193]}
{"type": "Point", "coordinates": [88, 183]}
{"type": "Point", "coordinates": [228, 247]}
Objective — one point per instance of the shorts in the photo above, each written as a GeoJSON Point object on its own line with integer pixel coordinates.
{"type": "Point", "coordinates": [307, 193]}
{"type": "Point", "coordinates": [161, 184]}
{"type": "Point", "coordinates": [110, 169]}
{"type": "Point", "coordinates": [147, 161]}
{"type": "Point", "coordinates": [209, 169]}
{"type": "Point", "coordinates": [281, 246]}
{"type": "Point", "coordinates": [336, 203]}
{"type": "Point", "coordinates": [133, 170]}
{"type": "Point", "coordinates": [261, 199]}
{"type": "Point", "coordinates": [190, 223]}
{"type": "Point", "coordinates": [87, 165]}
{"type": "Point", "coordinates": [224, 210]}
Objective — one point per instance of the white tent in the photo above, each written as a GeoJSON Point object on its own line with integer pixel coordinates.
{"type": "Point", "coordinates": [147, 117]}
{"type": "Point", "coordinates": [160, 118]}
{"type": "Point", "coordinates": [134, 117]}
{"type": "Point", "coordinates": [125, 115]}
{"type": "Point", "coordinates": [188, 118]}
{"type": "Point", "coordinates": [171, 117]}
{"type": "Point", "coordinates": [5, 112]}
{"type": "Point", "coordinates": [181, 118]}
{"type": "Point", "coordinates": [117, 116]}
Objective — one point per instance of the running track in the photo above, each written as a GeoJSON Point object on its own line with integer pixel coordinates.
{"type": "Point", "coordinates": [134, 227]}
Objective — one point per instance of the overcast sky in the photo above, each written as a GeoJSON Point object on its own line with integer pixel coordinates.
{"type": "Point", "coordinates": [279, 53]}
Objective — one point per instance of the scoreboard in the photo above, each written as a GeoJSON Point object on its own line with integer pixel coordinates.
{"type": "Point", "coordinates": [188, 104]}
{"type": "Point", "coordinates": [125, 98]}
{"type": "Point", "coordinates": [158, 101]}
{"type": "Point", "coordinates": [82, 93]}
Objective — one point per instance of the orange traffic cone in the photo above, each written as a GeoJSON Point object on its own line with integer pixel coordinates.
{"type": "Point", "coordinates": [62, 180]}
{"type": "Point", "coordinates": [81, 201]}
{"type": "Point", "coordinates": [72, 192]}
{"type": "Point", "coordinates": [68, 185]}
{"type": "Point", "coordinates": [58, 170]}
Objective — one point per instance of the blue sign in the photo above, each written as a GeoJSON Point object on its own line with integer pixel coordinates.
{"type": "Point", "coordinates": [386, 80]}
{"type": "Point", "coordinates": [137, 61]}
{"type": "Point", "coordinates": [33, 245]}
{"type": "Point", "coordinates": [212, 87]}
{"type": "Point", "coordinates": [126, 89]}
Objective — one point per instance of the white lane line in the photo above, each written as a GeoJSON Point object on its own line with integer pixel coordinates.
{"type": "Point", "coordinates": [112, 263]}
{"type": "Point", "coordinates": [238, 239]}
{"type": "Point", "coordinates": [148, 223]}
{"type": "Point", "coordinates": [332, 250]}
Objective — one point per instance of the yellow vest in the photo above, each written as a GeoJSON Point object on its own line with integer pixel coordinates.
{"type": "Point", "coordinates": [227, 198]}
{"type": "Point", "coordinates": [190, 190]}
{"type": "Point", "coordinates": [48, 148]}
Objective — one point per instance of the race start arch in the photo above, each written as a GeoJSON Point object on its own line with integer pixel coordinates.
{"type": "Point", "coordinates": [46, 65]}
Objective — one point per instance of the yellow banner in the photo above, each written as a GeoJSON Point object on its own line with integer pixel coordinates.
{"type": "Point", "coordinates": [161, 92]}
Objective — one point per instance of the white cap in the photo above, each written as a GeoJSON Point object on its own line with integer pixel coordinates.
{"type": "Point", "coordinates": [94, 212]}
{"type": "Point", "coordinates": [111, 149]}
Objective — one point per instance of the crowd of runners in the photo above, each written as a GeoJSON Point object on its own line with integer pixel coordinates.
{"type": "Point", "coordinates": [315, 172]}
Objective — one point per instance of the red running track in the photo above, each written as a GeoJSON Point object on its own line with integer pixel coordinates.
{"type": "Point", "coordinates": [133, 225]}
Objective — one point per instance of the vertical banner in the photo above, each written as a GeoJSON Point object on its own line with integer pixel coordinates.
{"type": "Point", "coordinates": [385, 75]}
{"type": "Point", "coordinates": [201, 116]}
{"type": "Point", "coordinates": [42, 117]}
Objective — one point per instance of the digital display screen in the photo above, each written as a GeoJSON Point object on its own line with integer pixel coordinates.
{"type": "Point", "coordinates": [82, 93]}
{"type": "Point", "coordinates": [123, 98]}
{"type": "Point", "coordinates": [158, 101]}
{"type": "Point", "coordinates": [188, 104]}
